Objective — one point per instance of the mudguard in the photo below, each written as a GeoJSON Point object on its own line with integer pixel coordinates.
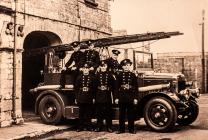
{"type": "Point", "coordinates": [145, 97]}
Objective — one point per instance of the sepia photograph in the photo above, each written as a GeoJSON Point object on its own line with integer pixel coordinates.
{"type": "Point", "coordinates": [103, 69]}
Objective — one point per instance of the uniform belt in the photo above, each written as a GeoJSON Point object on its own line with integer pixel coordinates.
{"type": "Point", "coordinates": [85, 89]}
{"type": "Point", "coordinates": [103, 88]}
{"type": "Point", "coordinates": [126, 86]}
{"type": "Point", "coordinates": [89, 61]}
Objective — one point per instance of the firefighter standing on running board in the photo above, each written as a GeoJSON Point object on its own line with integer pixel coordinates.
{"type": "Point", "coordinates": [91, 56]}
{"type": "Point", "coordinates": [126, 96]}
{"type": "Point", "coordinates": [113, 64]}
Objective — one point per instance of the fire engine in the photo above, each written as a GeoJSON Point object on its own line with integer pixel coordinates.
{"type": "Point", "coordinates": [165, 99]}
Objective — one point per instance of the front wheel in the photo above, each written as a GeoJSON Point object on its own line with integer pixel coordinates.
{"type": "Point", "coordinates": [190, 115]}
{"type": "Point", "coordinates": [160, 114]}
{"type": "Point", "coordinates": [50, 110]}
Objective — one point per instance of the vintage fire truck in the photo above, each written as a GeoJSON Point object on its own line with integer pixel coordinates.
{"type": "Point", "coordinates": [165, 99]}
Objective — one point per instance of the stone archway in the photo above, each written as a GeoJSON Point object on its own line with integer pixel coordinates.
{"type": "Point", "coordinates": [32, 65]}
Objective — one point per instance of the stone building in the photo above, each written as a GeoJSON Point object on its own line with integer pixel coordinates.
{"type": "Point", "coordinates": [188, 63]}
{"type": "Point", "coordinates": [27, 24]}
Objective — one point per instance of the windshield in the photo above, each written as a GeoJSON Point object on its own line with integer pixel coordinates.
{"type": "Point", "coordinates": [143, 60]}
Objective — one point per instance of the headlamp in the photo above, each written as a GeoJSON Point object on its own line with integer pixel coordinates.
{"type": "Point", "coordinates": [195, 92]}
{"type": "Point", "coordinates": [185, 93]}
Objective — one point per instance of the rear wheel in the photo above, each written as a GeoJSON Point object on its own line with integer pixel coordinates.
{"type": "Point", "coordinates": [50, 110]}
{"type": "Point", "coordinates": [160, 114]}
{"type": "Point", "coordinates": [190, 115]}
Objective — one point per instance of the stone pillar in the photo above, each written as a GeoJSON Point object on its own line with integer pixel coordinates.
{"type": "Point", "coordinates": [7, 107]}
{"type": "Point", "coordinates": [6, 89]}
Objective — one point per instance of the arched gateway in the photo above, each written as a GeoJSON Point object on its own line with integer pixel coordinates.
{"type": "Point", "coordinates": [32, 65]}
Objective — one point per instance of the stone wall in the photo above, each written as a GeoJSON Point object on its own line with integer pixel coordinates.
{"type": "Point", "coordinates": [67, 20]}
{"type": "Point", "coordinates": [187, 63]}
{"type": "Point", "coordinates": [6, 88]}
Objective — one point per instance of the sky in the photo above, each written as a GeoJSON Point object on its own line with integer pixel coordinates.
{"type": "Point", "coordinates": [141, 16]}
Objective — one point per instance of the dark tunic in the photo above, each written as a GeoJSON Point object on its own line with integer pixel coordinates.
{"type": "Point", "coordinates": [75, 57]}
{"type": "Point", "coordinates": [91, 57]}
{"type": "Point", "coordinates": [127, 87]}
{"type": "Point", "coordinates": [104, 84]}
{"type": "Point", "coordinates": [84, 88]}
{"type": "Point", "coordinates": [113, 65]}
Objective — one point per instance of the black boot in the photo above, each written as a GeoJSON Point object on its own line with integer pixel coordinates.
{"type": "Point", "coordinates": [98, 129]}
{"type": "Point", "coordinates": [109, 129]}
{"type": "Point", "coordinates": [120, 132]}
{"type": "Point", "coordinates": [132, 131]}
{"type": "Point", "coordinates": [80, 129]}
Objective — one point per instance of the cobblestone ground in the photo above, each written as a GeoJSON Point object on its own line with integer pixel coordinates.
{"type": "Point", "coordinates": [198, 130]}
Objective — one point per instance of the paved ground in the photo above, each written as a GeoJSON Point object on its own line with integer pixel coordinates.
{"type": "Point", "coordinates": [33, 128]}
{"type": "Point", "coordinates": [198, 130]}
{"type": "Point", "coordinates": [29, 129]}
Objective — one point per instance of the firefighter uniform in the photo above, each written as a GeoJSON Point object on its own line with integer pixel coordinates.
{"type": "Point", "coordinates": [76, 58]}
{"type": "Point", "coordinates": [113, 64]}
{"type": "Point", "coordinates": [91, 57]}
{"type": "Point", "coordinates": [127, 88]}
{"type": "Point", "coordinates": [103, 98]}
{"type": "Point", "coordinates": [84, 91]}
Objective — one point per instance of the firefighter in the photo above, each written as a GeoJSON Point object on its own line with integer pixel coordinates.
{"type": "Point", "coordinates": [103, 97]}
{"type": "Point", "coordinates": [126, 96]}
{"type": "Point", "coordinates": [91, 56]}
{"type": "Point", "coordinates": [113, 63]}
{"type": "Point", "coordinates": [84, 92]}
{"type": "Point", "coordinates": [75, 61]}
{"type": "Point", "coordinates": [114, 66]}
{"type": "Point", "coordinates": [75, 57]}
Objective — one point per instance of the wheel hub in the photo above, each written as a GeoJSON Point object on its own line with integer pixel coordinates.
{"type": "Point", "coordinates": [50, 109]}
{"type": "Point", "coordinates": [157, 115]}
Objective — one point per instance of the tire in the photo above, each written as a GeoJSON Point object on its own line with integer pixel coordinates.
{"type": "Point", "coordinates": [160, 114]}
{"type": "Point", "coordinates": [50, 110]}
{"type": "Point", "coordinates": [190, 115]}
